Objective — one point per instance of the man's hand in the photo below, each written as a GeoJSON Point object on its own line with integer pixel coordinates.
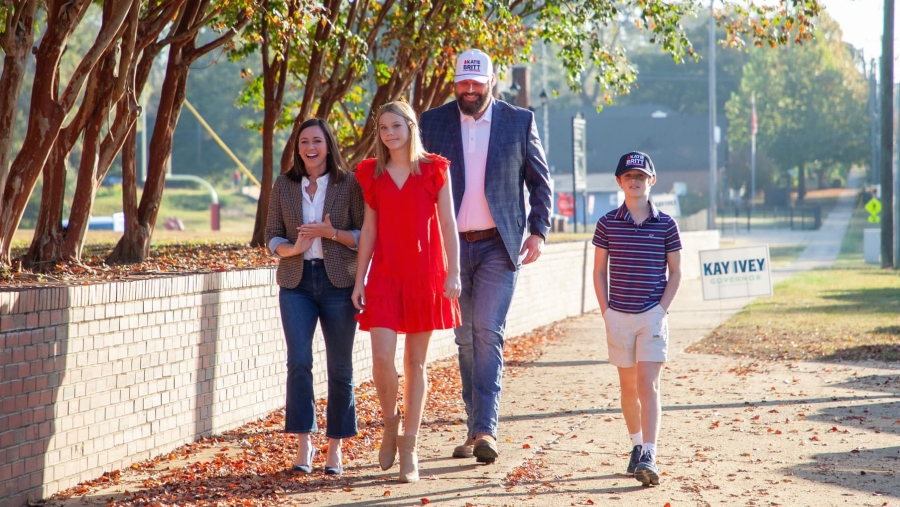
{"type": "Point", "coordinates": [532, 248]}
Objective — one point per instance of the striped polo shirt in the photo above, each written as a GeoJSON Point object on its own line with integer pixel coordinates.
{"type": "Point", "coordinates": [637, 257]}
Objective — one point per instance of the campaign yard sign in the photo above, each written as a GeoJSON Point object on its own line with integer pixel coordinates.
{"type": "Point", "coordinates": [736, 272]}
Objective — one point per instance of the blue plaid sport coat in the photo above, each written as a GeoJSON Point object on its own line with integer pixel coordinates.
{"type": "Point", "coordinates": [515, 161]}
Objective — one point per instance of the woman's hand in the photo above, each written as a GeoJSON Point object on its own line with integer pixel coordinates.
{"type": "Point", "coordinates": [359, 296]}
{"type": "Point", "coordinates": [301, 245]}
{"type": "Point", "coordinates": [314, 230]}
{"type": "Point", "coordinates": [452, 286]}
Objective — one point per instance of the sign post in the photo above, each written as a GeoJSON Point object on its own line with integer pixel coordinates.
{"type": "Point", "coordinates": [736, 272]}
{"type": "Point", "coordinates": [579, 167]}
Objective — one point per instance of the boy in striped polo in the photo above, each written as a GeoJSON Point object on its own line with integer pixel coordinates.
{"type": "Point", "coordinates": [636, 244]}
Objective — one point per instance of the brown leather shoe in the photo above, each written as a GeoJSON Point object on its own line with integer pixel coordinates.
{"type": "Point", "coordinates": [465, 450]}
{"type": "Point", "coordinates": [485, 449]}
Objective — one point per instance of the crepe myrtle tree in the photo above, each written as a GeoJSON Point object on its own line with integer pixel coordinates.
{"type": "Point", "coordinates": [356, 56]}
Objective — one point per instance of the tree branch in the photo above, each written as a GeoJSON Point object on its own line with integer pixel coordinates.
{"type": "Point", "coordinates": [104, 39]}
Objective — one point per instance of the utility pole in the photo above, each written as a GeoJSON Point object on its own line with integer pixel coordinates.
{"type": "Point", "coordinates": [873, 126]}
{"type": "Point", "coordinates": [896, 193]}
{"type": "Point", "coordinates": [887, 137]}
{"type": "Point", "coordinates": [713, 171]}
{"type": "Point", "coordinates": [753, 151]}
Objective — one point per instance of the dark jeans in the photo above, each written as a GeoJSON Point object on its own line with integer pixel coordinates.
{"type": "Point", "coordinates": [487, 290]}
{"type": "Point", "coordinates": [314, 300]}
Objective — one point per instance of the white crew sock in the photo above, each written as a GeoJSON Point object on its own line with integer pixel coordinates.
{"type": "Point", "coordinates": [637, 438]}
{"type": "Point", "coordinates": [648, 447]}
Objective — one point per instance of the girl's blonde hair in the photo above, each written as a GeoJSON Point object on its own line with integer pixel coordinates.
{"type": "Point", "coordinates": [417, 153]}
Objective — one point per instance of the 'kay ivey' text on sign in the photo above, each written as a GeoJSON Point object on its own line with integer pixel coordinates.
{"type": "Point", "coordinates": [736, 272]}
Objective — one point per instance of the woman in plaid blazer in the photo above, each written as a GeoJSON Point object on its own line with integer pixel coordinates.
{"type": "Point", "coordinates": [315, 215]}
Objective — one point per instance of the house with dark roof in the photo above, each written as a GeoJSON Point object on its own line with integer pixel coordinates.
{"type": "Point", "coordinates": [677, 143]}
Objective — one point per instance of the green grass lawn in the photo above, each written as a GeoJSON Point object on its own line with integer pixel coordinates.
{"type": "Point", "coordinates": [850, 311]}
{"type": "Point", "coordinates": [852, 247]}
{"type": "Point", "coordinates": [191, 206]}
{"type": "Point", "coordinates": [783, 255]}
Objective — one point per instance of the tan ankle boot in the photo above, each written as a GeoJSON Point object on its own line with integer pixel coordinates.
{"type": "Point", "coordinates": [387, 454]}
{"type": "Point", "coordinates": [409, 458]}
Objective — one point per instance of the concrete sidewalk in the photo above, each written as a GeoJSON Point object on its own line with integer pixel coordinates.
{"type": "Point", "coordinates": [734, 432]}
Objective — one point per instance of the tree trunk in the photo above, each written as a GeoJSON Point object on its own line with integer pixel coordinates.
{"type": "Point", "coordinates": [134, 245]}
{"type": "Point", "coordinates": [49, 232]}
{"type": "Point", "coordinates": [137, 247]}
{"type": "Point", "coordinates": [801, 182]}
{"type": "Point", "coordinates": [16, 44]}
{"type": "Point", "coordinates": [160, 150]}
{"type": "Point", "coordinates": [270, 116]}
{"type": "Point", "coordinates": [182, 53]}
{"type": "Point", "coordinates": [274, 81]}
{"type": "Point", "coordinates": [98, 151]}
{"type": "Point", "coordinates": [44, 121]}
{"type": "Point", "coordinates": [83, 201]}
{"type": "Point", "coordinates": [53, 243]}
{"type": "Point", "coordinates": [48, 107]}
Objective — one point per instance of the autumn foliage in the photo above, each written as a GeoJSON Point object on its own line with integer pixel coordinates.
{"type": "Point", "coordinates": [347, 58]}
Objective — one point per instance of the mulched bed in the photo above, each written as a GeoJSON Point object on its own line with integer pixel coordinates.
{"type": "Point", "coordinates": [163, 260]}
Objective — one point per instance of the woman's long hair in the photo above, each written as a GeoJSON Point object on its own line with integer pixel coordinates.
{"type": "Point", "coordinates": [335, 166]}
{"type": "Point", "coordinates": [417, 153]}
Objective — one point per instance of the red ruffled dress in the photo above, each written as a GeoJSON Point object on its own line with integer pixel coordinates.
{"type": "Point", "coordinates": [405, 286]}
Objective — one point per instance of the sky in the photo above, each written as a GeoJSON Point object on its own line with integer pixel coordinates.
{"type": "Point", "coordinates": [861, 23]}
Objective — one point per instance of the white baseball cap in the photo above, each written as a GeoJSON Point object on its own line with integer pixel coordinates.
{"type": "Point", "coordinates": [474, 64]}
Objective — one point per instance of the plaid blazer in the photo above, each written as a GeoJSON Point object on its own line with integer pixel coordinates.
{"type": "Point", "coordinates": [515, 161]}
{"type": "Point", "coordinates": [344, 204]}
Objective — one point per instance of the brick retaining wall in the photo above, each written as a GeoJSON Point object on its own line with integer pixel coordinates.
{"type": "Point", "coordinates": [94, 378]}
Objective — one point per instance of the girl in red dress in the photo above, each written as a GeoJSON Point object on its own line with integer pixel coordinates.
{"type": "Point", "coordinates": [409, 233]}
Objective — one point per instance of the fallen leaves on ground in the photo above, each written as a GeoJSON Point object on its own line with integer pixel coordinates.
{"type": "Point", "coordinates": [769, 342]}
{"type": "Point", "coordinates": [250, 466]}
{"type": "Point", "coordinates": [528, 473]}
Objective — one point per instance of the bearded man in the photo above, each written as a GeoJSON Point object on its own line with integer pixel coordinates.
{"type": "Point", "coordinates": [494, 154]}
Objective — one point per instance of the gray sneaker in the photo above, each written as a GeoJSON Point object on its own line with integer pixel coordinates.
{"type": "Point", "coordinates": [633, 461]}
{"type": "Point", "coordinates": [646, 470]}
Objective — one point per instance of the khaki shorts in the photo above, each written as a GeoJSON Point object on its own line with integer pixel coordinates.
{"type": "Point", "coordinates": [633, 337]}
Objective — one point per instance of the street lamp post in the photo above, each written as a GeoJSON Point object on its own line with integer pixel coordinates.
{"type": "Point", "coordinates": [513, 92]}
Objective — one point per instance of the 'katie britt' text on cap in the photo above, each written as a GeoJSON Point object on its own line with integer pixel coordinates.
{"type": "Point", "coordinates": [472, 65]}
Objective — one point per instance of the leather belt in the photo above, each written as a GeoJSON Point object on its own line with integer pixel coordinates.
{"type": "Point", "coordinates": [473, 236]}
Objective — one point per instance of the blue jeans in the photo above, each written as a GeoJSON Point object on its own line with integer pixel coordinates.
{"type": "Point", "coordinates": [314, 300]}
{"type": "Point", "coordinates": [487, 289]}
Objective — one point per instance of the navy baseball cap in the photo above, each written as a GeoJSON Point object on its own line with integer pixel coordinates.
{"type": "Point", "coordinates": [635, 160]}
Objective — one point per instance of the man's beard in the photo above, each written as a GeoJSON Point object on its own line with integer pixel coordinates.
{"type": "Point", "coordinates": [472, 108]}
